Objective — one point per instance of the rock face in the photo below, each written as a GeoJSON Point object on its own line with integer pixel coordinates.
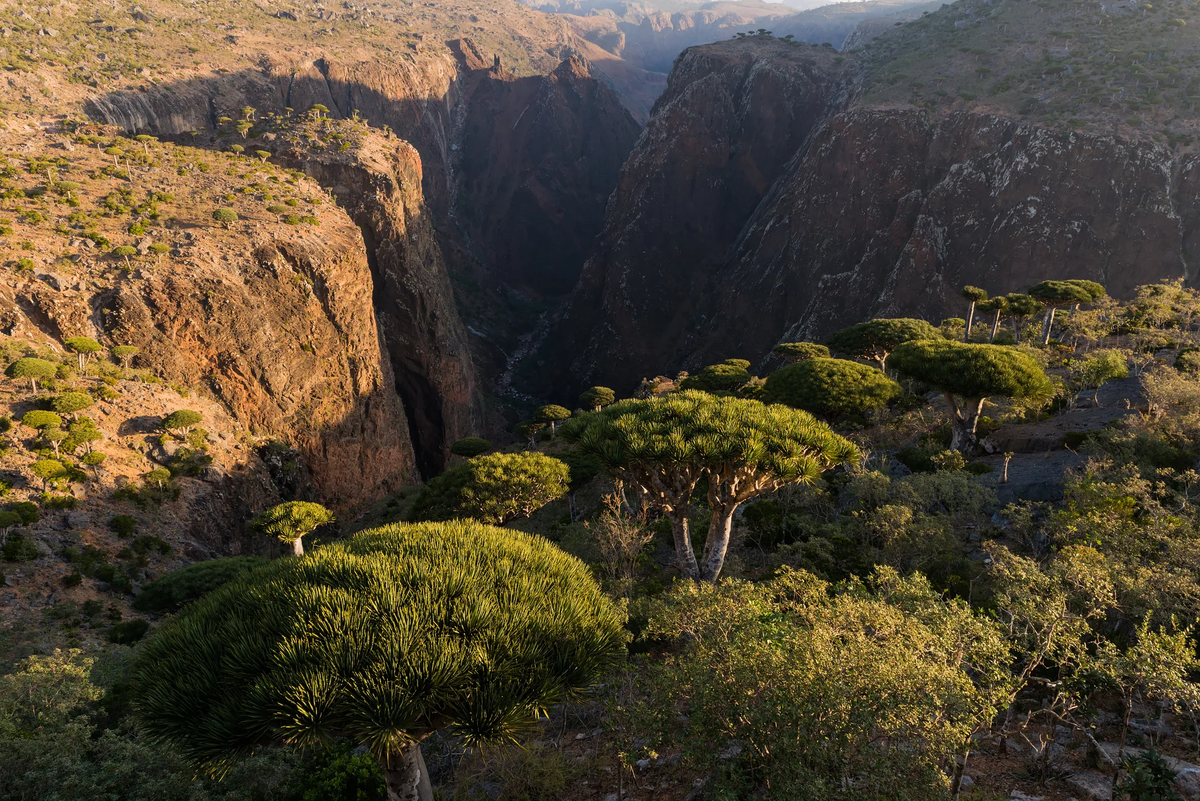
{"type": "Point", "coordinates": [283, 334]}
{"type": "Point", "coordinates": [789, 211]}
{"type": "Point", "coordinates": [539, 159]}
{"type": "Point", "coordinates": [731, 119]}
{"type": "Point", "coordinates": [379, 185]}
{"type": "Point", "coordinates": [514, 177]}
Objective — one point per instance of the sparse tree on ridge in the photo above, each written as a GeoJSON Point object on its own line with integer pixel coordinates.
{"type": "Point", "coordinates": [997, 306]}
{"type": "Point", "coordinates": [597, 398]}
{"type": "Point", "coordinates": [31, 368]}
{"type": "Point", "coordinates": [973, 295]}
{"type": "Point", "coordinates": [48, 470]}
{"type": "Point", "coordinates": [553, 415]}
{"type": "Point", "coordinates": [125, 354]}
{"type": "Point", "coordinates": [529, 429]}
{"type": "Point", "coordinates": [1020, 308]}
{"type": "Point", "coordinates": [1054, 294]}
{"type": "Point", "coordinates": [968, 375]}
{"type": "Point", "coordinates": [182, 422]}
{"type": "Point", "coordinates": [875, 340]}
{"type": "Point", "coordinates": [71, 403]}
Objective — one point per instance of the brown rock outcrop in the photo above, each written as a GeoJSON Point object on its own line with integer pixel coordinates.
{"type": "Point", "coordinates": [514, 176]}
{"type": "Point", "coordinates": [283, 334]}
{"type": "Point", "coordinates": [379, 184]}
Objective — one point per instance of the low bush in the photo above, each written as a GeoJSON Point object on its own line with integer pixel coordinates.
{"type": "Point", "coordinates": [188, 583]}
{"type": "Point", "coordinates": [19, 548]}
{"type": "Point", "coordinates": [128, 632]}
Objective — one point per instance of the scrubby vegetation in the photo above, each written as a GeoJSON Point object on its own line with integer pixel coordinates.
{"type": "Point", "coordinates": [1113, 67]}
{"type": "Point", "coordinates": [929, 564]}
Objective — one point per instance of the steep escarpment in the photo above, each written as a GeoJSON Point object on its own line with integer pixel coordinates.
{"type": "Point", "coordinates": [281, 332]}
{"type": "Point", "coordinates": [890, 212]}
{"type": "Point", "coordinates": [514, 173]}
{"type": "Point", "coordinates": [377, 180]}
{"type": "Point", "coordinates": [921, 170]}
{"type": "Point", "coordinates": [539, 158]}
{"type": "Point", "coordinates": [730, 120]}
{"type": "Point", "coordinates": [635, 44]}
{"type": "Point", "coordinates": [270, 315]}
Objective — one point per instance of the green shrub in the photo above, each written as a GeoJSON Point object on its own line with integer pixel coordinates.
{"type": "Point", "coordinates": [129, 632]}
{"type": "Point", "coordinates": [728, 376]}
{"type": "Point", "coordinates": [1147, 777]}
{"type": "Point", "coordinates": [338, 773]}
{"type": "Point", "coordinates": [831, 388]}
{"type": "Point", "coordinates": [469, 447]}
{"type": "Point", "coordinates": [147, 543]}
{"type": "Point", "coordinates": [26, 510]}
{"type": "Point", "coordinates": [188, 583]}
{"type": "Point", "coordinates": [494, 489]}
{"type": "Point", "coordinates": [1075, 439]}
{"type": "Point", "coordinates": [916, 458]}
{"type": "Point", "coordinates": [18, 548]}
{"type": "Point", "coordinates": [59, 502]}
{"type": "Point", "coordinates": [123, 525]}
{"type": "Point", "coordinates": [114, 577]}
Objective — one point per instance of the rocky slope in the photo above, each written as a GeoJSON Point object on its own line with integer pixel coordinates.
{"type": "Point", "coordinates": [271, 314]}
{"type": "Point", "coordinates": [882, 195]}
{"type": "Point", "coordinates": [515, 168]}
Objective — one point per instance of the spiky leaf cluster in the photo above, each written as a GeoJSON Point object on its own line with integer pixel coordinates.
{"type": "Point", "coordinates": [494, 488]}
{"type": "Point", "coordinates": [381, 639]}
{"type": "Point", "coordinates": [972, 371]}
{"type": "Point", "coordinates": [710, 433]}
{"type": "Point", "coordinates": [831, 388]}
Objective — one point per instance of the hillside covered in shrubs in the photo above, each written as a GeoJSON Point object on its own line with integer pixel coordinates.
{"type": "Point", "coordinates": [923, 559]}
